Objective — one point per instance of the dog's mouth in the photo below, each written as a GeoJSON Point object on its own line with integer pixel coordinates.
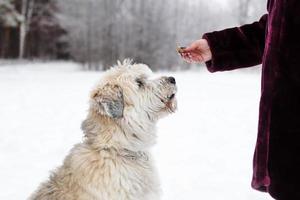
{"type": "Point", "coordinates": [168, 98]}
{"type": "Point", "coordinates": [171, 103]}
{"type": "Point", "coordinates": [172, 96]}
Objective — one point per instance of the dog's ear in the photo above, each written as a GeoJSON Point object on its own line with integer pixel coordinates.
{"type": "Point", "coordinates": [110, 100]}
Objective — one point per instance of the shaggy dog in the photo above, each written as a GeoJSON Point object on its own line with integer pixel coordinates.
{"type": "Point", "coordinates": [113, 162]}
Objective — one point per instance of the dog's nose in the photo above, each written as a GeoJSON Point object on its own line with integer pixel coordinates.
{"type": "Point", "coordinates": [172, 80]}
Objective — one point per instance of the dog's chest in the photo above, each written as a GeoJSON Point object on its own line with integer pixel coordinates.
{"type": "Point", "coordinates": [122, 178]}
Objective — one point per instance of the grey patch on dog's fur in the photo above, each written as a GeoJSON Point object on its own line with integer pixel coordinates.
{"type": "Point", "coordinates": [114, 108]}
{"type": "Point", "coordinates": [113, 102]}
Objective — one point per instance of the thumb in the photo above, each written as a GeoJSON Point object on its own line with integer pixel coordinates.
{"type": "Point", "coordinates": [191, 47]}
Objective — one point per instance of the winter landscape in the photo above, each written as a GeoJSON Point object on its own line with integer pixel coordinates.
{"type": "Point", "coordinates": [53, 52]}
{"type": "Point", "coordinates": [213, 132]}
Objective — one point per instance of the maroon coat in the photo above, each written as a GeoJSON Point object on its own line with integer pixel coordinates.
{"type": "Point", "coordinates": [273, 41]}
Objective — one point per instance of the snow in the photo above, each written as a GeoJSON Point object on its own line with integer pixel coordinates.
{"type": "Point", "coordinates": [204, 150]}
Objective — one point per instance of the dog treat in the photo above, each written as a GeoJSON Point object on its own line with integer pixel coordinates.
{"type": "Point", "coordinates": [180, 49]}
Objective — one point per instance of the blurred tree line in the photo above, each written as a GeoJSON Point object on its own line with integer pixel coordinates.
{"type": "Point", "coordinates": [96, 33]}
{"type": "Point", "coordinates": [30, 29]}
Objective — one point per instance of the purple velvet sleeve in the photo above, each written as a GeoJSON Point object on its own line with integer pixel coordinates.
{"type": "Point", "coordinates": [237, 47]}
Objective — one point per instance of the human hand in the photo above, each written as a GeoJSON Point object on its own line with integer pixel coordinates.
{"type": "Point", "coordinates": [198, 51]}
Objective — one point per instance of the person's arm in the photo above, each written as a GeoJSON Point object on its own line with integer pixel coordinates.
{"type": "Point", "coordinates": [237, 47]}
{"type": "Point", "coordinates": [229, 49]}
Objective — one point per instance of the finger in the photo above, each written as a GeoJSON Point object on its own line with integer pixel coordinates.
{"type": "Point", "coordinates": [189, 48]}
{"type": "Point", "coordinates": [198, 56]}
{"type": "Point", "coordinates": [193, 46]}
{"type": "Point", "coordinates": [184, 55]}
{"type": "Point", "coordinates": [187, 56]}
{"type": "Point", "coordinates": [198, 59]}
{"type": "Point", "coordinates": [187, 59]}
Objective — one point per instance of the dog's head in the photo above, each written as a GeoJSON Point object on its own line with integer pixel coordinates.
{"type": "Point", "coordinates": [127, 92]}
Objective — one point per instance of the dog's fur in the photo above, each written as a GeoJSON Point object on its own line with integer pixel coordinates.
{"type": "Point", "coordinates": [113, 162]}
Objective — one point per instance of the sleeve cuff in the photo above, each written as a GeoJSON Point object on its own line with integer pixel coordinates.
{"type": "Point", "coordinates": [219, 54]}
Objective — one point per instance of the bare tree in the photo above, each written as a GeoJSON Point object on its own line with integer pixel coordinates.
{"type": "Point", "coordinates": [26, 10]}
{"type": "Point", "coordinates": [10, 19]}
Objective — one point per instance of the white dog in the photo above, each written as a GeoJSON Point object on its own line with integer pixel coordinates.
{"type": "Point", "coordinates": [113, 162]}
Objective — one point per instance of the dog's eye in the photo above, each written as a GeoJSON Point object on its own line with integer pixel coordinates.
{"type": "Point", "coordinates": [139, 82]}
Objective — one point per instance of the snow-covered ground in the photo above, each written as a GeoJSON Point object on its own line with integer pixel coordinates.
{"type": "Point", "coordinates": [204, 151]}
